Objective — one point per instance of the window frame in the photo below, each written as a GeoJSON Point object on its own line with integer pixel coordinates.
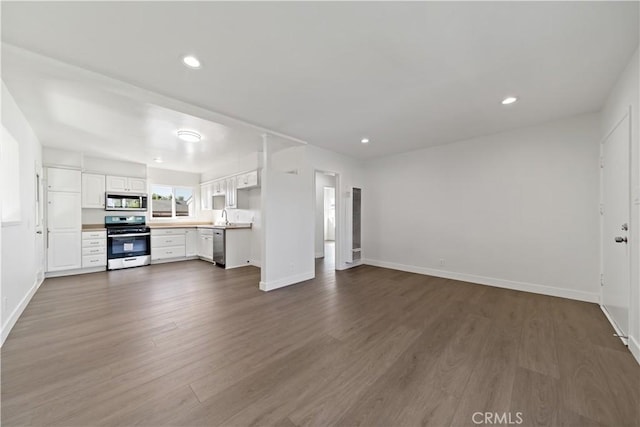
{"type": "Point", "coordinates": [192, 212]}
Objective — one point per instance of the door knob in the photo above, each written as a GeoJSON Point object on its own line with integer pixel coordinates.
{"type": "Point", "coordinates": [39, 232]}
{"type": "Point", "coordinates": [621, 240]}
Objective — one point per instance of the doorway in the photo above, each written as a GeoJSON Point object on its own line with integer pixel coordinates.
{"type": "Point", "coordinates": [325, 220]}
{"type": "Point", "coordinates": [615, 167]}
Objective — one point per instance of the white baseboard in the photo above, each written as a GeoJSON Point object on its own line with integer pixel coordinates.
{"type": "Point", "coordinates": [491, 281]}
{"type": "Point", "coordinates": [286, 281]}
{"type": "Point", "coordinates": [319, 254]}
{"type": "Point", "coordinates": [74, 272]}
{"type": "Point", "coordinates": [634, 347]}
{"type": "Point", "coordinates": [620, 334]}
{"type": "Point", "coordinates": [256, 263]}
{"type": "Point", "coordinates": [15, 315]}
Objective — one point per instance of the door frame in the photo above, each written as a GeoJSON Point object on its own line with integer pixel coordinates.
{"type": "Point", "coordinates": [338, 226]}
{"type": "Point", "coordinates": [627, 114]}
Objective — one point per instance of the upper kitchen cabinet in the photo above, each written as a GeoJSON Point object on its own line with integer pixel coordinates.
{"type": "Point", "coordinates": [122, 184]}
{"type": "Point", "coordinates": [206, 196]}
{"type": "Point", "coordinates": [247, 180]}
{"type": "Point", "coordinates": [93, 186]}
{"type": "Point", "coordinates": [231, 195]}
{"type": "Point", "coordinates": [219, 188]}
{"type": "Point", "coordinates": [66, 180]}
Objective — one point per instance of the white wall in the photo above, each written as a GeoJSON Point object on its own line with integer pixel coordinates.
{"type": "Point", "coordinates": [19, 259]}
{"type": "Point", "coordinates": [517, 209]}
{"type": "Point", "coordinates": [322, 180]}
{"type": "Point", "coordinates": [625, 94]}
{"type": "Point", "coordinates": [288, 212]}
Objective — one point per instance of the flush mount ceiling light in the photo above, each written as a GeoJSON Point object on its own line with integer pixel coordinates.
{"type": "Point", "coordinates": [189, 135]}
{"type": "Point", "coordinates": [365, 140]}
{"type": "Point", "coordinates": [509, 100]}
{"type": "Point", "coordinates": [191, 61]}
{"type": "Point", "coordinates": [157, 159]}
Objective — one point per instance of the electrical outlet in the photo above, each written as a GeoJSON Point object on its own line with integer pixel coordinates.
{"type": "Point", "coordinates": [441, 262]}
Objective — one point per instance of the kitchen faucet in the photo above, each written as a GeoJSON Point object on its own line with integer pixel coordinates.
{"type": "Point", "coordinates": [225, 216]}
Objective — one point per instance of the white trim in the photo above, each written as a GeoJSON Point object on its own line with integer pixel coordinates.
{"type": "Point", "coordinates": [74, 272]}
{"type": "Point", "coordinates": [256, 263]}
{"type": "Point", "coordinates": [627, 114]}
{"type": "Point", "coordinates": [17, 312]}
{"type": "Point", "coordinates": [491, 281]}
{"type": "Point", "coordinates": [319, 254]}
{"type": "Point", "coordinates": [634, 347]}
{"type": "Point", "coordinates": [619, 332]}
{"type": "Point", "coordinates": [286, 281]}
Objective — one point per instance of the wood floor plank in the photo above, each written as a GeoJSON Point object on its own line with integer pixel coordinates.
{"type": "Point", "coordinates": [192, 344]}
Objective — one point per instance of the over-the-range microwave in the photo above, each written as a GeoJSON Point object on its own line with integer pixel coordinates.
{"type": "Point", "coordinates": [125, 202]}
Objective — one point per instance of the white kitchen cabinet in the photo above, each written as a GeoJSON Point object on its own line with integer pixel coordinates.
{"type": "Point", "coordinates": [63, 250]}
{"type": "Point", "coordinates": [206, 196]}
{"type": "Point", "coordinates": [94, 249]}
{"type": "Point", "coordinates": [205, 243]}
{"type": "Point", "coordinates": [93, 186]}
{"type": "Point", "coordinates": [237, 247]}
{"type": "Point", "coordinates": [168, 244]}
{"type": "Point", "coordinates": [165, 241]}
{"type": "Point", "coordinates": [247, 180]}
{"type": "Point", "coordinates": [219, 188]}
{"type": "Point", "coordinates": [64, 219]}
{"type": "Point", "coordinates": [123, 184]}
{"type": "Point", "coordinates": [64, 212]}
{"type": "Point", "coordinates": [191, 243]}
{"type": "Point", "coordinates": [231, 199]}
{"type": "Point", "coordinates": [66, 180]}
{"type": "Point", "coordinates": [137, 185]}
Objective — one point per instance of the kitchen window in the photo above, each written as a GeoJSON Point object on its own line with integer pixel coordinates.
{"type": "Point", "coordinates": [172, 202]}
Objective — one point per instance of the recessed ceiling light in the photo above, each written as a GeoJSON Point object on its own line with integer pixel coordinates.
{"type": "Point", "coordinates": [191, 61]}
{"type": "Point", "coordinates": [189, 135]}
{"type": "Point", "coordinates": [157, 159]}
{"type": "Point", "coordinates": [509, 100]}
{"type": "Point", "coordinates": [365, 140]}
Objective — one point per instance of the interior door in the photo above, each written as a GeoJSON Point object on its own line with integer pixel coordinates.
{"type": "Point", "coordinates": [615, 224]}
{"type": "Point", "coordinates": [39, 224]}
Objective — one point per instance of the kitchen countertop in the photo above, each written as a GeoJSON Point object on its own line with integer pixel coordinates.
{"type": "Point", "coordinates": [199, 225]}
{"type": "Point", "coordinates": [93, 227]}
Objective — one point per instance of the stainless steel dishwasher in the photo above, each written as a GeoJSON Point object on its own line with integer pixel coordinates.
{"type": "Point", "coordinates": [218, 246]}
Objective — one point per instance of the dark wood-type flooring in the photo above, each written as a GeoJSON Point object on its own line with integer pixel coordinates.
{"type": "Point", "coordinates": [191, 344]}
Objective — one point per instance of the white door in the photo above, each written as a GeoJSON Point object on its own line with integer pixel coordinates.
{"type": "Point", "coordinates": [63, 211]}
{"type": "Point", "coordinates": [615, 221]}
{"type": "Point", "coordinates": [64, 250]}
{"type": "Point", "coordinates": [191, 243]}
{"type": "Point", "coordinates": [137, 185]}
{"type": "Point", "coordinates": [117, 184]}
{"type": "Point", "coordinates": [39, 222]}
{"type": "Point", "coordinates": [93, 191]}
{"type": "Point", "coordinates": [63, 180]}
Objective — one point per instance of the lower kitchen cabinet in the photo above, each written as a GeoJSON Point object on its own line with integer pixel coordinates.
{"type": "Point", "coordinates": [236, 244]}
{"type": "Point", "coordinates": [173, 244]}
{"type": "Point", "coordinates": [191, 243]}
{"type": "Point", "coordinates": [94, 249]}
{"type": "Point", "coordinates": [63, 250]}
{"type": "Point", "coordinates": [205, 243]}
{"type": "Point", "coordinates": [168, 244]}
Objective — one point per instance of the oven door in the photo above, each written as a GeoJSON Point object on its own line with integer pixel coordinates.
{"type": "Point", "coordinates": [128, 245]}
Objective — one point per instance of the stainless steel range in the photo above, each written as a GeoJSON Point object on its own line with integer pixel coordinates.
{"type": "Point", "coordinates": [128, 242]}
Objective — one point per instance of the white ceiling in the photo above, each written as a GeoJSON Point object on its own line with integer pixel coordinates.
{"type": "Point", "coordinates": [404, 74]}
